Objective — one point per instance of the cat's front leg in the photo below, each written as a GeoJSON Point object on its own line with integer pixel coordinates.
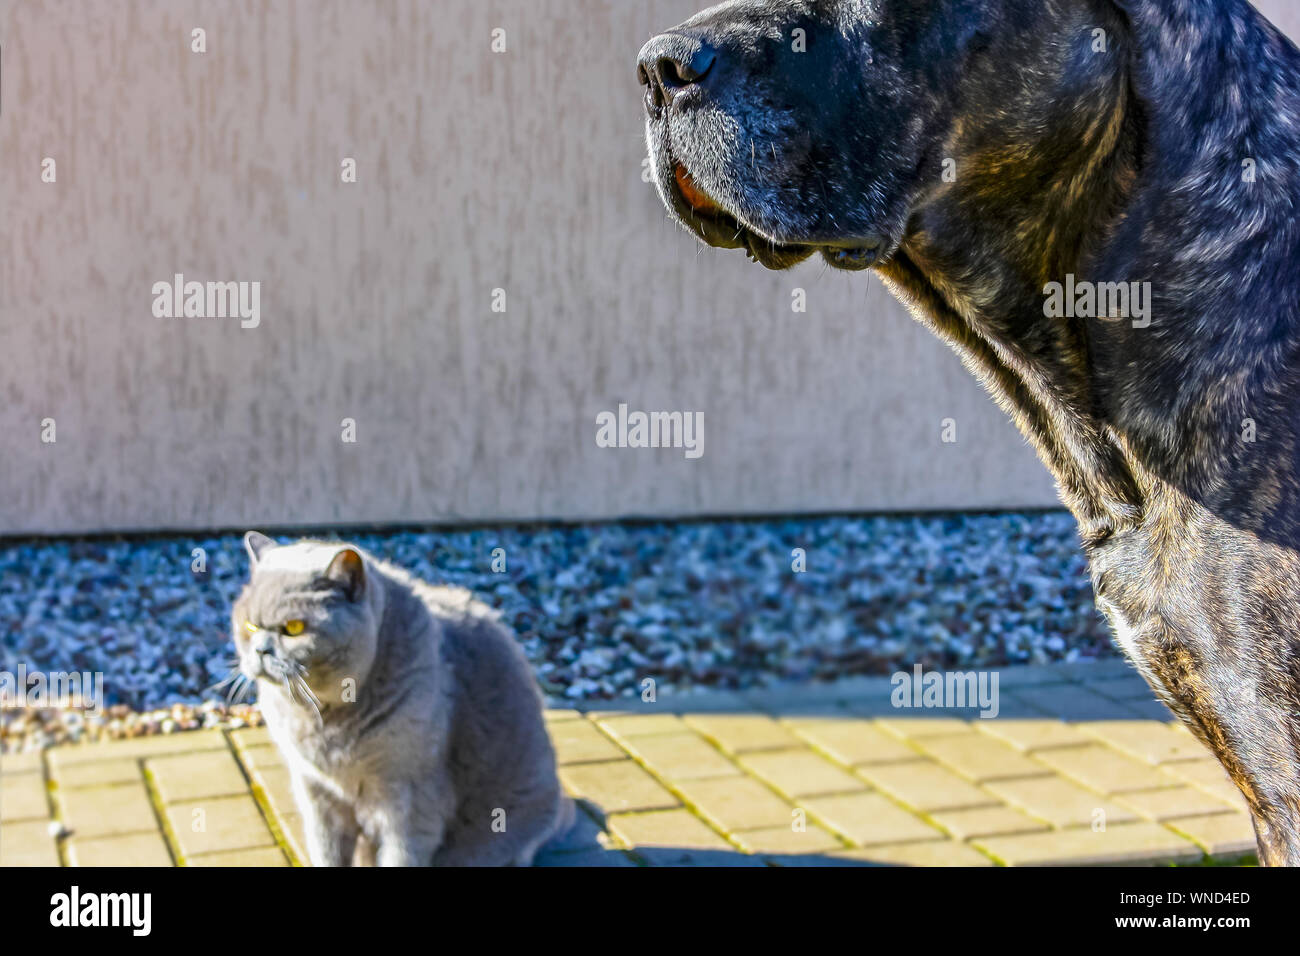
{"type": "Point", "coordinates": [330, 824]}
{"type": "Point", "coordinates": [402, 836]}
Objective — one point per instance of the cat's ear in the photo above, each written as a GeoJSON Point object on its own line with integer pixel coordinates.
{"type": "Point", "coordinates": [256, 544]}
{"type": "Point", "coordinates": [349, 572]}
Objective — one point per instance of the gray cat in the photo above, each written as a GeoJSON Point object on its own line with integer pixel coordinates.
{"type": "Point", "coordinates": [407, 714]}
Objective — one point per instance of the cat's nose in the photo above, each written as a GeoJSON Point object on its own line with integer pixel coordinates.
{"type": "Point", "coordinates": [261, 642]}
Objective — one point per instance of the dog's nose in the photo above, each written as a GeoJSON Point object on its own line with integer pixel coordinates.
{"type": "Point", "coordinates": [670, 64]}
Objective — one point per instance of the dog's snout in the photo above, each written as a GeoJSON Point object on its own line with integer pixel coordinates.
{"type": "Point", "coordinates": [670, 64]}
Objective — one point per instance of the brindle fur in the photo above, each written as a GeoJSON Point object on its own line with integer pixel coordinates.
{"type": "Point", "coordinates": [1124, 165]}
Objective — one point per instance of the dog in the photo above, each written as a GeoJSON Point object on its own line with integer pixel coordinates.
{"type": "Point", "coordinates": [990, 159]}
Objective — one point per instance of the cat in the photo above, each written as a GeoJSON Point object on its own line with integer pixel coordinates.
{"type": "Point", "coordinates": [407, 714]}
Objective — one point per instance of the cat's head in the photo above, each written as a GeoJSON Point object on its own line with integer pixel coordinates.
{"type": "Point", "coordinates": [306, 615]}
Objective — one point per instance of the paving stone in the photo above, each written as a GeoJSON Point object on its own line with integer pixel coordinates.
{"type": "Point", "coordinates": [1072, 702]}
{"type": "Point", "coordinates": [197, 776]}
{"type": "Point", "coordinates": [1090, 670]}
{"type": "Point", "coordinates": [617, 786]}
{"type": "Point", "coordinates": [986, 821]}
{"type": "Point", "coordinates": [1102, 768]}
{"type": "Point", "coordinates": [1032, 735]}
{"type": "Point", "coordinates": [742, 733]}
{"type": "Point", "coordinates": [133, 849]}
{"type": "Point", "coordinates": [853, 741]}
{"type": "Point", "coordinates": [578, 741]}
{"type": "Point", "coordinates": [276, 788]}
{"type": "Point", "coordinates": [107, 811]}
{"type": "Point", "coordinates": [789, 699]}
{"type": "Point", "coordinates": [1145, 740]}
{"type": "Point", "coordinates": [925, 786]}
{"type": "Point", "coordinates": [1149, 710]}
{"type": "Point", "coordinates": [706, 702]}
{"type": "Point", "coordinates": [1220, 834]}
{"type": "Point", "coordinates": [585, 834]}
{"type": "Point", "coordinates": [625, 726]}
{"type": "Point", "coordinates": [733, 804]}
{"type": "Point", "coordinates": [584, 858]}
{"type": "Point", "coordinates": [1031, 676]}
{"type": "Point", "coordinates": [979, 757]}
{"type": "Point", "coordinates": [295, 837]}
{"type": "Point", "coordinates": [218, 824]}
{"type": "Point", "coordinates": [23, 797]}
{"type": "Point", "coordinates": [920, 727]}
{"type": "Point", "coordinates": [1174, 802]}
{"type": "Point", "coordinates": [136, 747]}
{"type": "Point", "coordinates": [785, 841]}
{"type": "Point", "coordinates": [1209, 776]}
{"type": "Point", "coordinates": [261, 856]}
{"type": "Point", "coordinates": [247, 737]}
{"type": "Point", "coordinates": [937, 853]}
{"type": "Point", "coordinates": [800, 773]}
{"type": "Point", "coordinates": [551, 715]}
{"type": "Point", "coordinates": [1124, 843]}
{"type": "Point", "coordinates": [1060, 802]}
{"type": "Point", "coordinates": [677, 829]}
{"type": "Point", "coordinates": [681, 756]}
{"type": "Point", "coordinates": [21, 763]}
{"type": "Point", "coordinates": [868, 818]}
{"type": "Point", "coordinates": [102, 773]}
{"type": "Point", "coordinates": [27, 844]}
{"type": "Point", "coordinates": [1122, 688]}
{"type": "Point", "coordinates": [260, 758]}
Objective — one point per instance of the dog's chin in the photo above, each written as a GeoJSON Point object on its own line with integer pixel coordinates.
{"type": "Point", "coordinates": [718, 227]}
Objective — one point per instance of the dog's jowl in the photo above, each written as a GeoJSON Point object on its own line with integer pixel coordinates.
{"type": "Point", "coordinates": [981, 156]}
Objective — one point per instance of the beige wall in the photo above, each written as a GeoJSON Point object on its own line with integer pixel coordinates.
{"type": "Point", "coordinates": [477, 171]}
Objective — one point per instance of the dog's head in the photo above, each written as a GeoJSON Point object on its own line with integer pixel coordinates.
{"type": "Point", "coordinates": [789, 127]}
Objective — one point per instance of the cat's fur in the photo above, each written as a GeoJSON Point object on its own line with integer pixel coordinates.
{"type": "Point", "coordinates": [422, 741]}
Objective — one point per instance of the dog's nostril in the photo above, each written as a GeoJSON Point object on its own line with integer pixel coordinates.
{"type": "Point", "coordinates": [670, 64]}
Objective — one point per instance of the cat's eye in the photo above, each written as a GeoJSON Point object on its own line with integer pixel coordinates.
{"type": "Point", "coordinates": [250, 627]}
{"type": "Point", "coordinates": [295, 627]}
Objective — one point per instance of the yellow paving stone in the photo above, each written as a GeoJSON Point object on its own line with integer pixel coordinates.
{"type": "Point", "coordinates": [1173, 802]}
{"type": "Point", "coordinates": [107, 811]}
{"type": "Point", "coordinates": [185, 742]}
{"type": "Point", "coordinates": [1146, 740]}
{"type": "Point", "coordinates": [1060, 802]}
{"type": "Point", "coordinates": [1032, 735]}
{"type": "Point", "coordinates": [27, 844]}
{"type": "Point", "coordinates": [684, 756]}
{"type": "Point", "coordinates": [925, 786]}
{"type": "Point", "coordinates": [853, 741]}
{"type": "Point", "coordinates": [295, 836]}
{"type": "Point", "coordinates": [197, 776]}
{"type": "Point", "coordinates": [261, 856]}
{"type": "Point", "coordinates": [274, 784]}
{"type": "Point", "coordinates": [986, 821]}
{"type": "Point", "coordinates": [133, 849]}
{"type": "Point", "coordinates": [637, 725]}
{"type": "Point", "coordinates": [940, 853]}
{"type": "Point", "coordinates": [20, 763]}
{"type": "Point", "coordinates": [868, 818]}
{"type": "Point", "coordinates": [915, 727]}
{"type": "Point", "coordinates": [1124, 843]}
{"type": "Point", "coordinates": [551, 715]}
{"type": "Point", "coordinates": [785, 841]}
{"type": "Point", "coordinates": [799, 773]}
{"type": "Point", "coordinates": [980, 757]}
{"type": "Point", "coordinates": [617, 786]}
{"type": "Point", "coordinates": [1220, 834]}
{"type": "Point", "coordinates": [578, 741]}
{"type": "Point", "coordinates": [23, 797]}
{"type": "Point", "coordinates": [257, 758]}
{"type": "Point", "coordinates": [251, 737]}
{"type": "Point", "coordinates": [102, 773]}
{"type": "Point", "coordinates": [669, 828]}
{"type": "Point", "coordinates": [218, 824]}
{"type": "Point", "coordinates": [1210, 776]}
{"type": "Point", "coordinates": [1103, 768]}
{"type": "Point", "coordinates": [743, 733]}
{"type": "Point", "coordinates": [737, 803]}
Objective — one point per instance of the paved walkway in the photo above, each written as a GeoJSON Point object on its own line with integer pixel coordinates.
{"type": "Point", "coordinates": [1080, 766]}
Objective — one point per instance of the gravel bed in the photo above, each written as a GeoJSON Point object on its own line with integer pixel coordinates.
{"type": "Point", "coordinates": [598, 607]}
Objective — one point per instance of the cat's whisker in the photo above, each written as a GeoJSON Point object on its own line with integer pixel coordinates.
{"type": "Point", "coordinates": [311, 698]}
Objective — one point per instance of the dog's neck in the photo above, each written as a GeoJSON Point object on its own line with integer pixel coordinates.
{"type": "Point", "coordinates": [1052, 186]}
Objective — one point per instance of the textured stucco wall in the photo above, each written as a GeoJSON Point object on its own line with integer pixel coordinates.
{"type": "Point", "coordinates": [477, 171]}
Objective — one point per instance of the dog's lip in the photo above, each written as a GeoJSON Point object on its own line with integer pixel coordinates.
{"type": "Point", "coordinates": [711, 221]}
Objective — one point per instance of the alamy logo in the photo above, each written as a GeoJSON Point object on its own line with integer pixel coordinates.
{"type": "Point", "coordinates": [208, 300]}
{"type": "Point", "coordinates": [57, 689]}
{"type": "Point", "coordinates": [946, 689]}
{"type": "Point", "coordinates": [74, 908]}
{"type": "Point", "coordinates": [1098, 300]}
{"type": "Point", "coordinates": [626, 429]}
